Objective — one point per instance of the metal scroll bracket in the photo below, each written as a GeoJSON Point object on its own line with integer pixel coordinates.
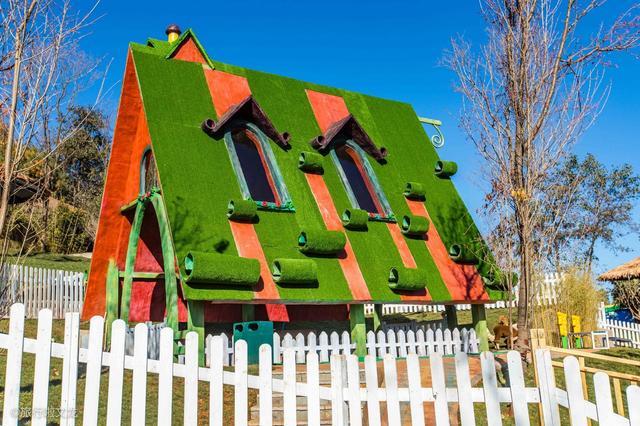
{"type": "Point", "coordinates": [438, 139]}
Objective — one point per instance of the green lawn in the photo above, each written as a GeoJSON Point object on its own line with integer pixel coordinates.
{"type": "Point", "coordinates": [54, 261]}
{"type": "Point", "coordinates": [26, 390]}
{"type": "Point", "coordinates": [56, 370]}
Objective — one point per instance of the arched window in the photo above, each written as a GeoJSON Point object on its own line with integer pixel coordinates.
{"type": "Point", "coordinates": [148, 172]}
{"type": "Point", "coordinates": [256, 173]}
{"type": "Point", "coordinates": [360, 181]}
{"type": "Point", "coordinates": [255, 166]}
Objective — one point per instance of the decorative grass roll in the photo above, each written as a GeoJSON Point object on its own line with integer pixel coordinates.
{"type": "Point", "coordinates": [445, 169]}
{"type": "Point", "coordinates": [414, 191]}
{"type": "Point", "coordinates": [355, 219]}
{"type": "Point", "coordinates": [321, 242]}
{"type": "Point", "coordinates": [310, 162]}
{"type": "Point", "coordinates": [462, 255]}
{"type": "Point", "coordinates": [215, 268]}
{"type": "Point", "coordinates": [415, 226]}
{"type": "Point", "coordinates": [242, 210]}
{"type": "Point", "coordinates": [408, 279]}
{"type": "Point", "coordinates": [295, 271]}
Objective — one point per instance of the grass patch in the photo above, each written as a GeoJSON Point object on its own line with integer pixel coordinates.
{"type": "Point", "coordinates": [53, 261]}
{"type": "Point", "coordinates": [55, 387]}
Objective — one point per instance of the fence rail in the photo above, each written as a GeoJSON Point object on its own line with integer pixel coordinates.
{"type": "Point", "coordinates": [398, 343]}
{"type": "Point", "coordinates": [292, 391]}
{"type": "Point", "coordinates": [40, 288]}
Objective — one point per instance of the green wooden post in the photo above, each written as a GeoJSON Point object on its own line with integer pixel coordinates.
{"type": "Point", "coordinates": [195, 322]}
{"type": "Point", "coordinates": [452, 316]}
{"type": "Point", "coordinates": [112, 296]}
{"type": "Point", "coordinates": [479, 318]}
{"type": "Point", "coordinates": [132, 251]}
{"type": "Point", "coordinates": [169, 256]}
{"type": "Point", "coordinates": [248, 313]}
{"type": "Point", "coordinates": [377, 316]}
{"type": "Point", "coordinates": [358, 329]}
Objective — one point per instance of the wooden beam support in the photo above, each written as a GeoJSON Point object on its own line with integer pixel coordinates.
{"type": "Point", "coordinates": [452, 316]}
{"type": "Point", "coordinates": [377, 316]}
{"type": "Point", "coordinates": [112, 296]}
{"type": "Point", "coordinates": [248, 312]}
{"type": "Point", "coordinates": [479, 319]}
{"type": "Point", "coordinates": [195, 322]}
{"type": "Point", "coordinates": [169, 256]}
{"type": "Point", "coordinates": [130, 262]}
{"type": "Point", "coordinates": [358, 329]}
{"type": "Point", "coordinates": [144, 275]}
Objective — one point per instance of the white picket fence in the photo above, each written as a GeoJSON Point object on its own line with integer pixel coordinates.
{"type": "Point", "coordinates": [42, 288]}
{"type": "Point", "coordinates": [347, 394]}
{"type": "Point", "coordinates": [546, 294]}
{"type": "Point", "coordinates": [398, 343]}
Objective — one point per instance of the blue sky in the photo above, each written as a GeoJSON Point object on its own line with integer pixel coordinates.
{"type": "Point", "coordinates": [382, 48]}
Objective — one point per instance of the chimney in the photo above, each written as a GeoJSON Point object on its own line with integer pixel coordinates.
{"type": "Point", "coordinates": [172, 32]}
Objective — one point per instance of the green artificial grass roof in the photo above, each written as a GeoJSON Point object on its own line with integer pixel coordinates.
{"type": "Point", "coordinates": [198, 180]}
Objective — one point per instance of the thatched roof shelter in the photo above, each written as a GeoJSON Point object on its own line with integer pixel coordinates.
{"type": "Point", "coordinates": [626, 271]}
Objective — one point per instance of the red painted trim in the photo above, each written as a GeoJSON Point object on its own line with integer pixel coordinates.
{"type": "Point", "coordinates": [130, 137]}
{"type": "Point", "coordinates": [226, 89]}
{"type": "Point", "coordinates": [463, 281]}
{"type": "Point", "coordinates": [409, 262]}
{"type": "Point", "coordinates": [348, 263]}
{"type": "Point", "coordinates": [189, 51]}
{"type": "Point", "coordinates": [327, 108]}
{"type": "Point", "coordinates": [248, 243]}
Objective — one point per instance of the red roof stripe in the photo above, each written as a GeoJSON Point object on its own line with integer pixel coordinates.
{"type": "Point", "coordinates": [349, 263]}
{"type": "Point", "coordinates": [462, 281]}
{"type": "Point", "coordinates": [226, 89]}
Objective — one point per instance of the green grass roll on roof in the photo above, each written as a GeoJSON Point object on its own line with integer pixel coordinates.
{"type": "Point", "coordinates": [242, 210]}
{"type": "Point", "coordinates": [462, 254]}
{"type": "Point", "coordinates": [310, 162]}
{"type": "Point", "coordinates": [408, 279]}
{"type": "Point", "coordinates": [445, 169]}
{"type": "Point", "coordinates": [301, 272]}
{"type": "Point", "coordinates": [321, 242]}
{"type": "Point", "coordinates": [414, 191]}
{"type": "Point", "coordinates": [415, 226]}
{"type": "Point", "coordinates": [215, 268]}
{"type": "Point", "coordinates": [355, 219]}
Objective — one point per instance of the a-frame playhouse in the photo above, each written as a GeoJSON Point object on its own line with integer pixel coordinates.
{"type": "Point", "coordinates": [233, 194]}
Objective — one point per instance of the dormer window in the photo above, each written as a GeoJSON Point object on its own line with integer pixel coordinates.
{"type": "Point", "coordinates": [255, 165]}
{"type": "Point", "coordinates": [249, 136]}
{"type": "Point", "coordinates": [350, 146]}
{"type": "Point", "coordinates": [254, 170]}
{"type": "Point", "coordinates": [359, 180]}
{"type": "Point", "coordinates": [148, 172]}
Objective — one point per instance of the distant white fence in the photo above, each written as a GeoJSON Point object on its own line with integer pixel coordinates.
{"type": "Point", "coordinates": [397, 343]}
{"type": "Point", "coordinates": [300, 394]}
{"type": "Point", "coordinates": [546, 294]}
{"type": "Point", "coordinates": [621, 333]}
{"type": "Point", "coordinates": [42, 288]}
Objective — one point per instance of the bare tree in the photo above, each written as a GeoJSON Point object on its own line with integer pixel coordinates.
{"type": "Point", "coordinates": [529, 92]}
{"type": "Point", "coordinates": [41, 70]}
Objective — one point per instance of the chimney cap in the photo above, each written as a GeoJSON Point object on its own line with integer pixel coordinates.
{"type": "Point", "coordinates": [173, 28]}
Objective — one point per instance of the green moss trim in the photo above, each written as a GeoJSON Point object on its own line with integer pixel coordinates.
{"type": "Point", "coordinates": [355, 219]}
{"type": "Point", "coordinates": [415, 226]}
{"type": "Point", "coordinates": [408, 279]}
{"type": "Point", "coordinates": [445, 169]}
{"type": "Point", "coordinates": [462, 254]}
{"type": "Point", "coordinates": [310, 162]}
{"type": "Point", "coordinates": [302, 272]}
{"type": "Point", "coordinates": [132, 252]}
{"type": "Point", "coordinates": [320, 242]}
{"type": "Point", "coordinates": [215, 268]}
{"type": "Point", "coordinates": [242, 210]}
{"type": "Point", "coordinates": [414, 191]}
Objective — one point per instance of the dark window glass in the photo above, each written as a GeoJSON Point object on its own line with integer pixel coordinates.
{"type": "Point", "coordinates": [357, 180]}
{"type": "Point", "coordinates": [150, 177]}
{"type": "Point", "coordinates": [253, 169]}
